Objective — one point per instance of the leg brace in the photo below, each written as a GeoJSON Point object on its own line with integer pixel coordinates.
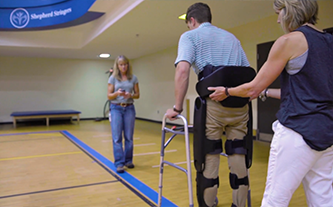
{"type": "Point", "coordinates": [201, 147]}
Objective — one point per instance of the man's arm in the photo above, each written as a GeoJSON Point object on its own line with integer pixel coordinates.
{"type": "Point", "coordinates": [181, 85]}
{"type": "Point", "coordinates": [181, 82]}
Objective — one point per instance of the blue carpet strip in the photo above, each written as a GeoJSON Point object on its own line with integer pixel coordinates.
{"type": "Point", "coordinates": [135, 185]}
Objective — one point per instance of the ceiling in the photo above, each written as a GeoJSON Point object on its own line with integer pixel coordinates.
{"type": "Point", "coordinates": [134, 28]}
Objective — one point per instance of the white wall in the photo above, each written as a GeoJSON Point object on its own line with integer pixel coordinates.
{"type": "Point", "coordinates": [156, 81]}
{"type": "Point", "coordinates": [28, 84]}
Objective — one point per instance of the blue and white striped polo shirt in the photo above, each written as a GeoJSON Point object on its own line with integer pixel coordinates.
{"type": "Point", "coordinates": [209, 44]}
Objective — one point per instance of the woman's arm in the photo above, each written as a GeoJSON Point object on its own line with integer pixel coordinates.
{"type": "Point", "coordinates": [270, 93]}
{"type": "Point", "coordinates": [136, 94]}
{"type": "Point", "coordinates": [111, 94]}
{"type": "Point", "coordinates": [280, 53]}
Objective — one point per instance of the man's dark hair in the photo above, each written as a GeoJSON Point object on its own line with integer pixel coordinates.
{"type": "Point", "coordinates": [200, 12]}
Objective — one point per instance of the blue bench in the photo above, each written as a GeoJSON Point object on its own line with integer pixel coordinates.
{"type": "Point", "coordinates": [44, 114]}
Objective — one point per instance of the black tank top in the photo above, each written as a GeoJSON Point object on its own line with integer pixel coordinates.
{"type": "Point", "coordinates": [307, 96]}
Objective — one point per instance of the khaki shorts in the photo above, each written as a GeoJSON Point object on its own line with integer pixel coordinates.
{"type": "Point", "coordinates": [231, 120]}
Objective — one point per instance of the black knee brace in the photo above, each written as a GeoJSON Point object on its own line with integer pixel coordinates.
{"type": "Point", "coordinates": [202, 184]}
{"type": "Point", "coordinates": [235, 182]}
{"type": "Point", "coordinates": [236, 147]}
{"type": "Point", "coordinates": [242, 147]}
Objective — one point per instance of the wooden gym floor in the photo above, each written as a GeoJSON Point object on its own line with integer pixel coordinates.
{"type": "Point", "coordinates": [71, 165]}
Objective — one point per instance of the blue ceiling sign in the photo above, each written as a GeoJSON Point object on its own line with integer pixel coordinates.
{"type": "Point", "coordinates": [87, 17]}
{"type": "Point", "coordinates": [52, 12]}
{"type": "Point", "coordinates": [27, 3]}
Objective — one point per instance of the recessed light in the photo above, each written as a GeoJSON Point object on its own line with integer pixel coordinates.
{"type": "Point", "coordinates": [182, 17]}
{"type": "Point", "coordinates": [104, 55]}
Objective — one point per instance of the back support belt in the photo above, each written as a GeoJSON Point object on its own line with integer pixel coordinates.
{"type": "Point", "coordinates": [229, 76]}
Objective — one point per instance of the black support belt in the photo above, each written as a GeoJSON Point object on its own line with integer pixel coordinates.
{"type": "Point", "coordinates": [228, 76]}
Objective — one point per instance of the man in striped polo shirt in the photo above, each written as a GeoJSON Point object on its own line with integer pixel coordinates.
{"type": "Point", "coordinates": [205, 44]}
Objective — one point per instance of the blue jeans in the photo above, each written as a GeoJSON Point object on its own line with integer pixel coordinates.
{"type": "Point", "coordinates": [122, 122]}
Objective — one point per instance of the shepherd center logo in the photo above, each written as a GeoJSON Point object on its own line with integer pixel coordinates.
{"type": "Point", "coordinates": [19, 18]}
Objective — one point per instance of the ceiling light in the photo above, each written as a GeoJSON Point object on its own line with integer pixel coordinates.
{"type": "Point", "coordinates": [104, 55]}
{"type": "Point", "coordinates": [182, 17]}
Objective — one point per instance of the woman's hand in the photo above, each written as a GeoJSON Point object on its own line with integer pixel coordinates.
{"type": "Point", "coordinates": [218, 94]}
{"type": "Point", "coordinates": [121, 92]}
{"type": "Point", "coordinates": [127, 95]}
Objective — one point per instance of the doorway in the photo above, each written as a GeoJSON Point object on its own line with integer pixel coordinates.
{"type": "Point", "coordinates": [268, 108]}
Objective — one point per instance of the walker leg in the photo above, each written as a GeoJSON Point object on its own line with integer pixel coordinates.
{"type": "Point", "coordinates": [189, 171]}
{"type": "Point", "coordinates": [249, 198]}
{"type": "Point", "coordinates": [188, 159]}
{"type": "Point", "coordinates": [160, 184]}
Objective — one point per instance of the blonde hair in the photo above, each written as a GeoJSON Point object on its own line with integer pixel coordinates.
{"type": "Point", "coordinates": [116, 72]}
{"type": "Point", "coordinates": [296, 13]}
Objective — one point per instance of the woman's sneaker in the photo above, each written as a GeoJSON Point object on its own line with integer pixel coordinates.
{"type": "Point", "coordinates": [120, 169]}
{"type": "Point", "coordinates": [129, 165]}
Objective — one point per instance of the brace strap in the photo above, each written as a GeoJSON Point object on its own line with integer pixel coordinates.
{"type": "Point", "coordinates": [235, 182]}
{"type": "Point", "coordinates": [235, 147]}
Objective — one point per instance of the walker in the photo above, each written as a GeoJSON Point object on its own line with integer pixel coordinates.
{"type": "Point", "coordinates": [182, 131]}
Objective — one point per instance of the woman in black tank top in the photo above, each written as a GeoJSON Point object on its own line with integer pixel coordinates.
{"type": "Point", "coordinates": [301, 149]}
